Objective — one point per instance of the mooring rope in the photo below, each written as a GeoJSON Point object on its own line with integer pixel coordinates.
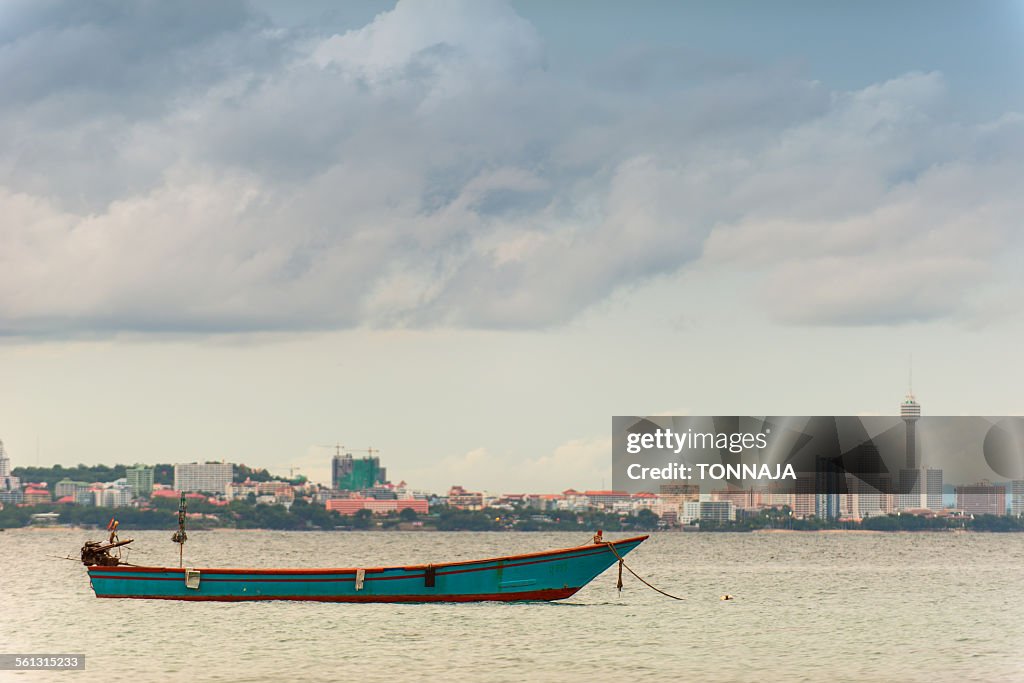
{"type": "Point", "coordinates": [622, 563]}
{"type": "Point", "coordinates": [597, 540]}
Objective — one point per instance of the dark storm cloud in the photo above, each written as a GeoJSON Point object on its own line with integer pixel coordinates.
{"type": "Point", "coordinates": [195, 169]}
{"type": "Point", "coordinates": [125, 57]}
{"type": "Point", "coordinates": [82, 80]}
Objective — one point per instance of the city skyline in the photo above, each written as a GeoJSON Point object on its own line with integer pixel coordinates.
{"type": "Point", "coordinates": [927, 488]}
{"type": "Point", "coordinates": [468, 232]}
{"type": "Point", "coordinates": [918, 479]}
{"type": "Point", "coordinates": [850, 486]}
{"type": "Point", "coordinates": [673, 504]}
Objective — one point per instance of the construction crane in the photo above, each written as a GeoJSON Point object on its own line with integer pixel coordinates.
{"type": "Point", "coordinates": [338, 448]}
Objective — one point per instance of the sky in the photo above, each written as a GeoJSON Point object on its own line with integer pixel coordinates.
{"type": "Point", "coordinates": [467, 233]}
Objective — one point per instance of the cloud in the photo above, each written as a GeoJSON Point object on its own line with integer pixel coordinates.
{"type": "Point", "coordinates": [88, 88]}
{"type": "Point", "coordinates": [909, 232]}
{"type": "Point", "coordinates": [427, 169]}
{"type": "Point", "coordinates": [485, 37]}
{"type": "Point", "coordinates": [123, 56]}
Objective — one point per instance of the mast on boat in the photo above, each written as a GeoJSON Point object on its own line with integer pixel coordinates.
{"type": "Point", "coordinates": [180, 536]}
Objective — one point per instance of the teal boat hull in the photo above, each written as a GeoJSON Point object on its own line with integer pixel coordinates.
{"type": "Point", "coordinates": [550, 575]}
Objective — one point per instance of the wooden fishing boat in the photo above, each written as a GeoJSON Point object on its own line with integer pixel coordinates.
{"type": "Point", "coordinates": [550, 575]}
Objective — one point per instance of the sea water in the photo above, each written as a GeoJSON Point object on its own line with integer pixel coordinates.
{"type": "Point", "coordinates": [807, 607]}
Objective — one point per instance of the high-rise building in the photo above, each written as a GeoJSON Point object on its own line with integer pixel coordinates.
{"type": "Point", "coordinates": [743, 499]}
{"type": "Point", "coordinates": [982, 498]}
{"type": "Point", "coordinates": [779, 493]}
{"type": "Point", "coordinates": [805, 501]}
{"type": "Point", "coordinates": [868, 481]}
{"type": "Point", "coordinates": [910, 490]}
{"type": "Point", "coordinates": [933, 489]}
{"type": "Point", "coordinates": [717, 511]}
{"type": "Point", "coordinates": [849, 504]}
{"type": "Point", "coordinates": [10, 486]}
{"type": "Point", "coordinates": [689, 512]}
{"type": "Point", "coordinates": [674, 496]}
{"type": "Point", "coordinates": [115, 494]}
{"type": "Point", "coordinates": [140, 478]}
{"type": "Point", "coordinates": [350, 474]}
{"type": "Point", "coordinates": [209, 477]}
{"type": "Point", "coordinates": [829, 484]}
{"type": "Point", "coordinates": [87, 496]}
{"type": "Point", "coordinates": [1017, 498]}
{"type": "Point", "coordinates": [67, 487]}
{"type": "Point", "coordinates": [5, 462]}
{"type": "Point", "coordinates": [341, 469]}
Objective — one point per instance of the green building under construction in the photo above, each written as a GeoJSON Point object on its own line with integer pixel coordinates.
{"type": "Point", "coordinates": [350, 474]}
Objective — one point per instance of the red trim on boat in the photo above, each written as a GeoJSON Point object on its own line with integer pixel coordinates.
{"type": "Point", "coordinates": [352, 570]}
{"type": "Point", "coordinates": [300, 572]}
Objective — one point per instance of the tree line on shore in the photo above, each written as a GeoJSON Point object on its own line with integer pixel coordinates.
{"type": "Point", "coordinates": [304, 515]}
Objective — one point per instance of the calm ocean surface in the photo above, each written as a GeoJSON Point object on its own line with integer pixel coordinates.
{"type": "Point", "coordinates": [808, 607]}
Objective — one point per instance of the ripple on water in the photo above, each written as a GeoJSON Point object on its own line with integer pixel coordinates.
{"type": "Point", "coordinates": [930, 607]}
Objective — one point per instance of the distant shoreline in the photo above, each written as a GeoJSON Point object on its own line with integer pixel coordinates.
{"type": "Point", "coordinates": [842, 531]}
{"type": "Point", "coordinates": [522, 531]}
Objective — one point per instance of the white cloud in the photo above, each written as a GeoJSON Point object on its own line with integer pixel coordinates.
{"type": "Point", "coordinates": [427, 170]}
{"type": "Point", "coordinates": [919, 243]}
{"type": "Point", "coordinates": [484, 36]}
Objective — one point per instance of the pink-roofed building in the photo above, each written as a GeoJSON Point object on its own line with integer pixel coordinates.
{"type": "Point", "coordinates": [36, 496]}
{"type": "Point", "coordinates": [350, 506]}
{"type": "Point", "coordinates": [242, 490]}
{"type": "Point", "coordinates": [606, 498]}
{"type": "Point", "coordinates": [459, 497]}
{"type": "Point", "coordinates": [282, 491]}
